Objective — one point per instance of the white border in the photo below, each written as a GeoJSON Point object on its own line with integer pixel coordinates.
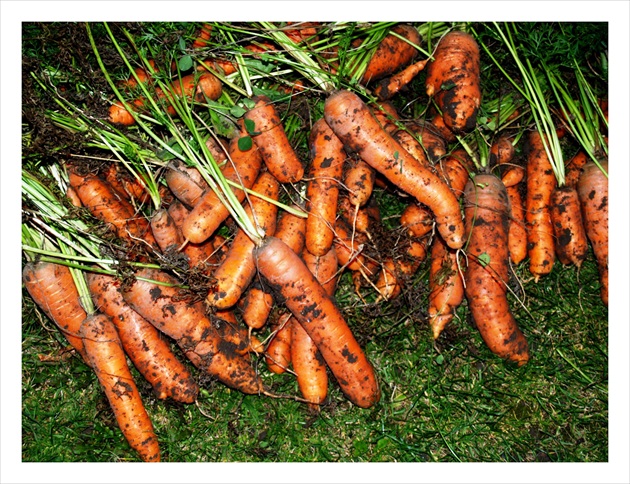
{"type": "Point", "coordinates": [14, 12]}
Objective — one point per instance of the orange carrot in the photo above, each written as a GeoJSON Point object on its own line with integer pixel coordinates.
{"type": "Point", "coordinates": [388, 88]}
{"type": "Point", "coordinates": [167, 234]}
{"type": "Point", "coordinates": [517, 233]}
{"type": "Point", "coordinates": [322, 189]}
{"type": "Point", "coordinates": [392, 53]}
{"type": "Point", "coordinates": [446, 286]}
{"type": "Point", "coordinates": [269, 136]}
{"type": "Point", "coordinates": [156, 296]}
{"type": "Point", "coordinates": [278, 351]}
{"type": "Point", "coordinates": [418, 220]}
{"type": "Point", "coordinates": [318, 314]}
{"type": "Point", "coordinates": [52, 288]}
{"type": "Point", "coordinates": [592, 190]}
{"type": "Point", "coordinates": [397, 269]}
{"type": "Point", "coordinates": [573, 168]}
{"type": "Point", "coordinates": [186, 182]}
{"type": "Point", "coordinates": [353, 123]}
{"type": "Point", "coordinates": [349, 245]}
{"type": "Point", "coordinates": [150, 353]}
{"type": "Point", "coordinates": [359, 181]}
{"type": "Point", "coordinates": [210, 212]}
{"type": "Point", "coordinates": [237, 270]}
{"type": "Point", "coordinates": [486, 214]}
{"type": "Point", "coordinates": [386, 114]}
{"type": "Point", "coordinates": [571, 243]}
{"type": "Point", "coordinates": [107, 357]}
{"type": "Point", "coordinates": [445, 132]}
{"type": "Point", "coordinates": [501, 151]}
{"type": "Point", "coordinates": [203, 36]}
{"type": "Point", "coordinates": [455, 169]}
{"type": "Point", "coordinates": [453, 80]}
{"type": "Point", "coordinates": [541, 182]}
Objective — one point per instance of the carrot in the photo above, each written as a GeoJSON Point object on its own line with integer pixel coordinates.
{"type": "Point", "coordinates": [445, 132]}
{"type": "Point", "coordinates": [446, 286]}
{"type": "Point", "coordinates": [453, 80]}
{"type": "Point", "coordinates": [210, 212]}
{"type": "Point", "coordinates": [358, 218]}
{"type": "Point", "coordinates": [517, 233]}
{"type": "Point", "coordinates": [392, 53]}
{"type": "Point", "coordinates": [386, 114]}
{"type": "Point", "coordinates": [318, 314]}
{"type": "Point", "coordinates": [592, 190]}
{"type": "Point", "coordinates": [349, 245]}
{"type": "Point", "coordinates": [52, 288]}
{"type": "Point", "coordinates": [455, 169]}
{"type": "Point", "coordinates": [258, 302]}
{"type": "Point", "coordinates": [486, 214]}
{"type": "Point", "coordinates": [388, 88]}
{"type": "Point", "coordinates": [501, 151]}
{"type": "Point", "coordinates": [324, 268]}
{"type": "Point", "coordinates": [571, 243]}
{"type": "Point", "coordinates": [127, 186]}
{"type": "Point", "coordinates": [278, 351]}
{"type": "Point", "coordinates": [573, 168]}
{"type": "Point", "coordinates": [541, 182]}
{"type": "Point", "coordinates": [71, 194]}
{"type": "Point", "coordinates": [203, 36]}
{"type": "Point", "coordinates": [350, 119]}
{"type": "Point", "coordinates": [166, 233]}
{"type": "Point", "coordinates": [150, 353]}
{"type": "Point", "coordinates": [237, 270]}
{"type": "Point", "coordinates": [155, 295]}
{"type": "Point", "coordinates": [322, 189]}
{"type": "Point", "coordinates": [101, 200]}
{"type": "Point", "coordinates": [107, 357]}
{"type": "Point", "coordinates": [359, 180]}
{"type": "Point", "coordinates": [271, 139]}
{"type": "Point", "coordinates": [143, 75]}
{"type": "Point", "coordinates": [185, 182]}
{"type": "Point", "coordinates": [205, 86]}
{"type": "Point", "coordinates": [418, 220]}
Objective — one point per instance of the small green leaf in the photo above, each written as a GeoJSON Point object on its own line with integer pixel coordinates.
{"type": "Point", "coordinates": [185, 63]}
{"type": "Point", "coordinates": [182, 43]}
{"type": "Point", "coordinates": [440, 359]}
{"type": "Point", "coordinates": [245, 143]}
{"type": "Point", "coordinates": [484, 259]}
{"type": "Point", "coordinates": [250, 127]}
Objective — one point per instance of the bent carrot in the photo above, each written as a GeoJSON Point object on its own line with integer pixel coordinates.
{"type": "Point", "coordinates": [353, 123]}
{"type": "Point", "coordinates": [237, 270]}
{"type": "Point", "coordinates": [388, 88]}
{"type": "Point", "coordinates": [271, 139]}
{"type": "Point", "coordinates": [150, 353]}
{"type": "Point", "coordinates": [107, 358]}
{"type": "Point", "coordinates": [316, 311]}
{"type": "Point", "coordinates": [392, 53]}
{"type": "Point", "coordinates": [322, 189]}
{"type": "Point", "coordinates": [541, 182]}
{"type": "Point", "coordinates": [486, 216]}
{"type": "Point", "coordinates": [453, 80]}
{"type": "Point", "coordinates": [592, 190]}
{"type": "Point", "coordinates": [52, 288]}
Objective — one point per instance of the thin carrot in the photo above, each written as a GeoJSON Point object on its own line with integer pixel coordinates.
{"type": "Point", "coordinates": [486, 214]}
{"type": "Point", "coordinates": [316, 311]}
{"type": "Point", "coordinates": [453, 80]}
{"type": "Point", "coordinates": [107, 357]}
{"type": "Point", "coordinates": [203, 36]}
{"type": "Point", "coordinates": [388, 88]}
{"type": "Point", "coordinates": [517, 233]}
{"type": "Point", "coordinates": [541, 182]}
{"type": "Point", "coordinates": [52, 288]}
{"type": "Point", "coordinates": [278, 350]}
{"type": "Point", "coordinates": [269, 136]}
{"type": "Point", "coordinates": [322, 189]}
{"type": "Point", "coordinates": [149, 351]}
{"type": "Point", "coordinates": [237, 270]}
{"type": "Point", "coordinates": [592, 190]}
{"type": "Point", "coordinates": [353, 123]}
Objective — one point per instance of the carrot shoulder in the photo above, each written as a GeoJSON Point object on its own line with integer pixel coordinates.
{"type": "Point", "coordinates": [107, 358]}
{"type": "Point", "coordinates": [316, 311]}
{"type": "Point", "coordinates": [353, 123]}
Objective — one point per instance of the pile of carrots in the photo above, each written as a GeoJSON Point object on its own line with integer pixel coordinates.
{"type": "Point", "coordinates": [274, 296]}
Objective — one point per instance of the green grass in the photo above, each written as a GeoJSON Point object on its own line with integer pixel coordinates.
{"type": "Point", "coordinates": [446, 401]}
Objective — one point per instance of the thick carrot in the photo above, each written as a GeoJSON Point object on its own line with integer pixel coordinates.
{"type": "Point", "coordinates": [517, 233]}
{"type": "Point", "coordinates": [446, 285]}
{"type": "Point", "coordinates": [155, 295]}
{"type": "Point", "coordinates": [107, 357]}
{"type": "Point", "coordinates": [358, 218]}
{"type": "Point", "coordinates": [453, 80]}
{"type": "Point", "coordinates": [278, 350]}
{"type": "Point", "coordinates": [353, 123]}
{"type": "Point", "coordinates": [126, 185]}
{"type": "Point", "coordinates": [167, 234]}
{"type": "Point", "coordinates": [359, 180]}
{"type": "Point", "coordinates": [98, 196]}
{"type": "Point", "coordinates": [486, 213]}
{"type": "Point", "coordinates": [52, 288]}
{"type": "Point", "coordinates": [258, 302]}
{"type": "Point", "coordinates": [186, 182]}
{"type": "Point", "coordinates": [322, 189]}
{"type": "Point", "coordinates": [150, 353]}
{"type": "Point", "coordinates": [237, 270]}
{"type": "Point", "coordinates": [271, 139]}
{"type": "Point", "coordinates": [568, 226]}
{"type": "Point", "coordinates": [317, 312]}
{"type": "Point", "coordinates": [392, 53]}
{"type": "Point", "coordinates": [593, 194]}
{"type": "Point", "coordinates": [541, 182]}
{"type": "Point", "coordinates": [210, 212]}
